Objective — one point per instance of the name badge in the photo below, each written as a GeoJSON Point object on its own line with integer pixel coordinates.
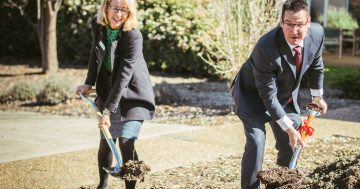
{"type": "Point", "coordinates": [102, 45]}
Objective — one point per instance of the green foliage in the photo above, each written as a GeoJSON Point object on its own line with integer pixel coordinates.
{"type": "Point", "coordinates": [21, 91]}
{"type": "Point", "coordinates": [18, 38]}
{"type": "Point", "coordinates": [351, 86]}
{"type": "Point", "coordinates": [55, 91]}
{"type": "Point", "coordinates": [339, 18]}
{"type": "Point", "coordinates": [74, 31]}
{"type": "Point", "coordinates": [355, 11]}
{"type": "Point", "coordinates": [345, 79]}
{"type": "Point", "coordinates": [171, 29]}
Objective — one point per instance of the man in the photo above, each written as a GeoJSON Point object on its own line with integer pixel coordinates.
{"type": "Point", "coordinates": [267, 86]}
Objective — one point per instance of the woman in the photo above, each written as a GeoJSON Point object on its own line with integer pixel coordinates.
{"type": "Point", "coordinates": [123, 86]}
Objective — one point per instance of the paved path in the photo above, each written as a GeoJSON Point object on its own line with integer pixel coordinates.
{"type": "Point", "coordinates": [31, 136]}
{"type": "Point", "coordinates": [345, 61]}
{"type": "Point", "coordinates": [25, 135]}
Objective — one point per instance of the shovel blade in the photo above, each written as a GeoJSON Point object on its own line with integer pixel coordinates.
{"type": "Point", "coordinates": [295, 157]}
{"type": "Point", "coordinates": [113, 171]}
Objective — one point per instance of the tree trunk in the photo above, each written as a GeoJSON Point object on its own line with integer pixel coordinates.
{"type": "Point", "coordinates": [47, 37]}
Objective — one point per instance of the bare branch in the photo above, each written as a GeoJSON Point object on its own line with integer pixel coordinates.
{"type": "Point", "coordinates": [58, 5]}
{"type": "Point", "coordinates": [21, 6]}
{"type": "Point", "coordinates": [38, 10]}
{"type": "Point", "coordinates": [237, 31]}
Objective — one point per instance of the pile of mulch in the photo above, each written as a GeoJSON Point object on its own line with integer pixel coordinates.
{"type": "Point", "coordinates": [133, 170]}
{"type": "Point", "coordinates": [316, 169]}
{"type": "Point", "coordinates": [344, 173]}
{"type": "Point", "coordinates": [281, 178]}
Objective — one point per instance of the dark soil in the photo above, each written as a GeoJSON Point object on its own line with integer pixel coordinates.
{"type": "Point", "coordinates": [280, 177]}
{"type": "Point", "coordinates": [343, 174]}
{"type": "Point", "coordinates": [133, 170]}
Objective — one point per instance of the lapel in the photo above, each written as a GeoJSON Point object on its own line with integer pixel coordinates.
{"type": "Point", "coordinates": [117, 50]}
{"type": "Point", "coordinates": [101, 46]}
{"type": "Point", "coordinates": [286, 53]}
{"type": "Point", "coordinates": [306, 51]}
{"type": "Point", "coordinates": [119, 44]}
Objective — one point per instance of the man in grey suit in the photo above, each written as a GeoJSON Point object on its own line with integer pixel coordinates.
{"type": "Point", "coordinates": [267, 86]}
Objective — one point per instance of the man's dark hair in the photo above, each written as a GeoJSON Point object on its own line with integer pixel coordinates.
{"type": "Point", "coordinates": [294, 6]}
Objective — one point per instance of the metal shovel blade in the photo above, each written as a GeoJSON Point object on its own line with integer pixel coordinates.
{"type": "Point", "coordinates": [295, 157]}
{"type": "Point", "coordinates": [113, 171]}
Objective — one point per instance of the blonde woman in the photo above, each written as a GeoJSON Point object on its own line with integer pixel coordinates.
{"type": "Point", "coordinates": [119, 71]}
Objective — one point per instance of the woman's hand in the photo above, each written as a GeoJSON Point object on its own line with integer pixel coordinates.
{"type": "Point", "coordinates": [83, 89]}
{"type": "Point", "coordinates": [104, 121]}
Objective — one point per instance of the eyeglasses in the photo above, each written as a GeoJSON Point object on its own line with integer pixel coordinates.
{"type": "Point", "coordinates": [296, 26]}
{"type": "Point", "coordinates": [116, 10]}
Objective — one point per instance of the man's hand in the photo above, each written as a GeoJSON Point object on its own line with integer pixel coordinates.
{"type": "Point", "coordinates": [294, 138]}
{"type": "Point", "coordinates": [319, 101]}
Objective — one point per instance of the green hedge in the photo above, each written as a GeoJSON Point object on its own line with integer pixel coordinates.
{"type": "Point", "coordinates": [339, 18]}
{"type": "Point", "coordinates": [74, 31]}
{"type": "Point", "coordinates": [345, 79]}
{"type": "Point", "coordinates": [21, 91]}
{"type": "Point", "coordinates": [171, 29]}
{"type": "Point", "coordinates": [55, 91]}
{"type": "Point", "coordinates": [50, 91]}
{"type": "Point", "coordinates": [18, 38]}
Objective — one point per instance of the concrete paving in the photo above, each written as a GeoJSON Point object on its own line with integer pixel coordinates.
{"type": "Point", "coordinates": [25, 135]}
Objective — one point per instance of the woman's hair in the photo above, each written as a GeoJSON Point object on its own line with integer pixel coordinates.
{"type": "Point", "coordinates": [130, 23]}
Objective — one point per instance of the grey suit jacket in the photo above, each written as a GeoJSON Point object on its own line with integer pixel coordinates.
{"type": "Point", "coordinates": [268, 78]}
{"type": "Point", "coordinates": [131, 88]}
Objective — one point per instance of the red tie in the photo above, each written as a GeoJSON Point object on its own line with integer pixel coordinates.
{"type": "Point", "coordinates": [297, 59]}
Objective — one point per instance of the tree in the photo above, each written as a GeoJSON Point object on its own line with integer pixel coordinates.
{"type": "Point", "coordinates": [236, 26]}
{"type": "Point", "coordinates": [45, 25]}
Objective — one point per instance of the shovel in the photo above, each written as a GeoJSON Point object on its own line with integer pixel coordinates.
{"type": "Point", "coordinates": [114, 171]}
{"type": "Point", "coordinates": [305, 130]}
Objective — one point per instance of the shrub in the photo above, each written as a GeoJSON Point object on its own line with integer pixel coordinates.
{"type": "Point", "coordinates": [55, 91]}
{"type": "Point", "coordinates": [345, 79]}
{"type": "Point", "coordinates": [171, 29]}
{"type": "Point", "coordinates": [74, 31]}
{"type": "Point", "coordinates": [21, 91]}
{"type": "Point", "coordinates": [18, 37]}
{"type": "Point", "coordinates": [236, 26]}
{"type": "Point", "coordinates": [339, 18]}
{"type": "Point", "coordinates": [350, 86]}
